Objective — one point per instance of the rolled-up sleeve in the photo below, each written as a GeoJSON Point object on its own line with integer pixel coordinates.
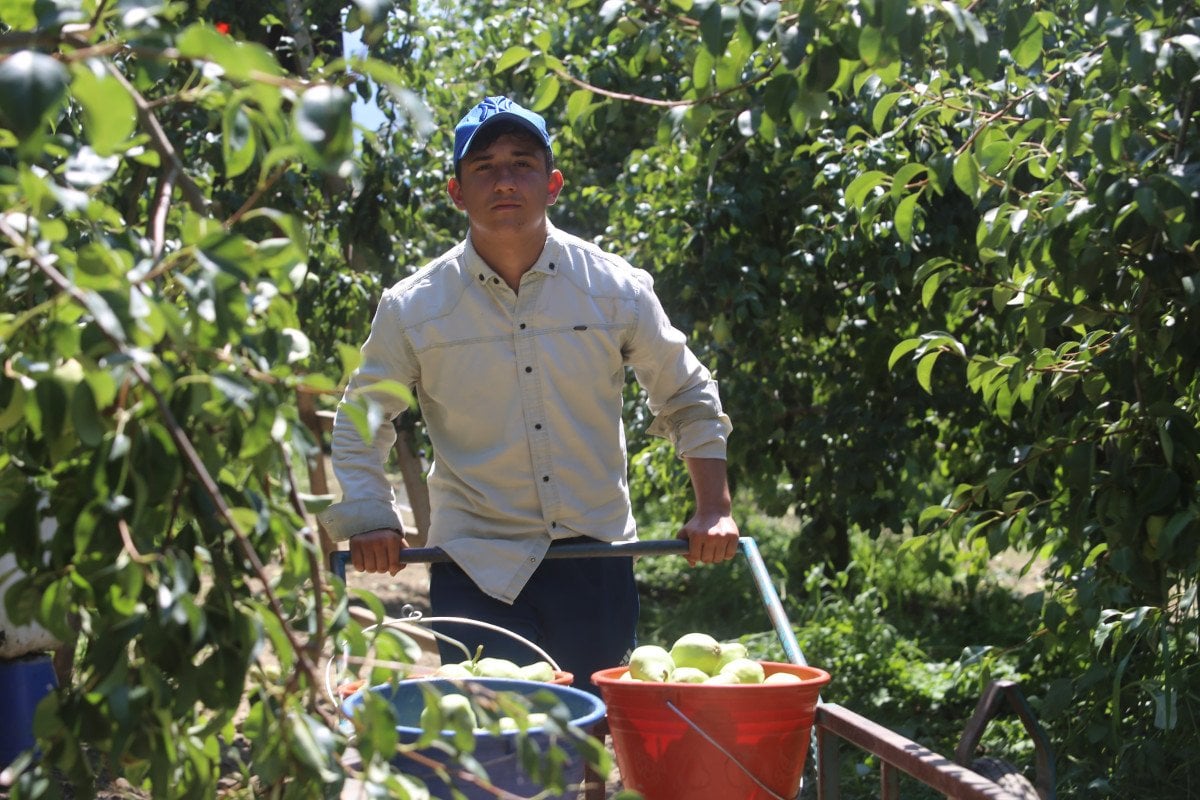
{"type": "Point", "coordinates": [681, 392]}
{"type": "Point", "coordinates": [368, 500]}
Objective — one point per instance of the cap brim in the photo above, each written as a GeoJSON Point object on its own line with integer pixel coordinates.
{"type": "Point", "coordinates": [503, 115]}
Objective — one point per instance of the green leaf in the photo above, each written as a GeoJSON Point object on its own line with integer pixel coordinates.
{"type": "Point", "coordinates": [712, 33]}
{"type": "Point", "coordinates": [1029, 48]}
{"type": "Point", "coordinates": [858, 189]}
{"type": "Point", "coordinates": [242, 61]}
{"type": "Point", "coordinates": [546, 93]}
{"type": "Point", "coordinates": [870, 45]}
{"type": "Point", "coordinates": [881, 110]}
{"type": "Point", "coordinates": [511, 58]}
{"type": "Point", "coordinates": [902, 349]}
{"type": "Point", "coordinates": [109, 113]}
{"type": "Point", "coordinates": [931, 513]}
{"type": "Point", "coordinates": [702, 69]}
{"type": "Point", "coordinates": [89, 425]}
{"type": "Point", "coordinates": [237, 140]}
{"type": "Point", "coordinates": [578, 104]}
{"type": "Point", "coordinates": [313, 743]}
{"type": "Point", "coordinates": [930, 287]}
{"type": "Point", "coordinates": [925, 370]}
{"type": "Point", "coordinates": [905, 213]}
{"type": "Point", "coordinates": [18, 14]}
{"type": "Point", "coordinates": [966, 174]}
{"type": "Point", "coordinates": [1002, 293]}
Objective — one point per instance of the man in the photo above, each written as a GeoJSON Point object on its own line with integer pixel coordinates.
{"type": "Point", "coordinates": [515, 343]}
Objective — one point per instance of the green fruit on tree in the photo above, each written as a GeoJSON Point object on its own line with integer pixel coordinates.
{"type": "Point", "coordinates": [744, 670]}
{"type": "Point", "coordinates": [31, 85]}
{"type": "Point", "coordinates": [689, 675]}
{"type": "Point", "coordinates": [537, 671]}
{"type": "Point", "coordinates": [456, 712]}
{"type": "Point", "coordinates": [323, 125]}
{"type": "Point", "coordinates": [649, 662]}
{"type": "Point", "coordinates": [627, 26]}
{"type": "Point", "coordinates": [730, 651]}
{"type": "Point", "coordinates": [697, 650]}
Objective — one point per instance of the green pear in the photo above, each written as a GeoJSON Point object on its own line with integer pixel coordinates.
{"type": "Point", "coordinates": [697, 650]}
{"type": "Point", "coordinates": [722, 678]}
{"type": "Point", "coordinates": [689, 675]}
{"type": "Point", "coordinates": [538, 671]}
{"type": "Point", "coordinates": [497, 668]}
{"type": "Point", "coordinates": [453, 671]}
{"type": "Point", "coordinates": [730, 651]}
{"type": "Point", "coordinates": [744, 670]}
{"type": "Point", "coordinates": [783, 677]}
{"type": "Point", "coordinates": [649, 662]}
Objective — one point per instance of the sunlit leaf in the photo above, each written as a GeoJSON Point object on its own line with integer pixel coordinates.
{"type": "Point", "coordinates": [109, 113]}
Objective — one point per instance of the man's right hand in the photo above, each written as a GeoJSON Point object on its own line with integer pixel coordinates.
{"type": "Point", "coordinates": [378, 551]}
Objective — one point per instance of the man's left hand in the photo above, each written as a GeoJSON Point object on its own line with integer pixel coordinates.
{"type": "Point", "coordinates": [712, 538]}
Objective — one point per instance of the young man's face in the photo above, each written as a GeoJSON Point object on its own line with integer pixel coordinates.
{"type": "Point", "coordinates": [506, 186]}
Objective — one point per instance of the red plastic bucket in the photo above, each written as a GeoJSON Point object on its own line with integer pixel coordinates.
{"type": "Point", "coordinates": [759, 734]}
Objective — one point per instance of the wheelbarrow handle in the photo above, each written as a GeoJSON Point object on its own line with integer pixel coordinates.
{"type": "Point", "coordinates": [653, 547]}
{"type": "Point", "coordinates": [338, 559]}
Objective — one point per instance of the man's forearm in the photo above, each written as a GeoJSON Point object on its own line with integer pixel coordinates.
{"type": "Point", "coordinates": [710, 484]}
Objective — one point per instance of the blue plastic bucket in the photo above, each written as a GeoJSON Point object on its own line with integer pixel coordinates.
{"type": "Point", "coordinates": [496, 752]}
{"type": "Point", "coordinates": [23, 683]}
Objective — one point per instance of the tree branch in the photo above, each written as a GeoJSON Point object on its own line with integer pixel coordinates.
{"type": "Point", "coordinates": [652, 101]}
{"type": "Point", "coordinates": [158, 138]}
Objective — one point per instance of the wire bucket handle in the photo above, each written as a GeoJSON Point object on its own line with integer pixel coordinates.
{"type": "Point", "coordinates": [410, 623]}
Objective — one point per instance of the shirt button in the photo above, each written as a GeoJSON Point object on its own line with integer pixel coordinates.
{"type": "Point", "coordinates": [495, 280]}
{"type": "Point", "coordinates": [529, 369]}
{"type": "Point", "coordinates": [532, 560]}
{"type": "Point", "coordinates": [551, 265]}
{"type": "Point", "coordinates": [537, 427]}
{"type": "Point", "coordinates": [522, 326]}
{"type": "Point", "coordinates": [545, 479]}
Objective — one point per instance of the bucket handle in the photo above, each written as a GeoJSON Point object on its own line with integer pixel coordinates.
{"type": "Point", "coordinates": [412, 618]}
{"type": "Point", "coordinates": [724, 752]}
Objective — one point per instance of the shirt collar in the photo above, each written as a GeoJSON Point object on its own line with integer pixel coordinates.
{"type": "Point", "coordinates": [550, 262]}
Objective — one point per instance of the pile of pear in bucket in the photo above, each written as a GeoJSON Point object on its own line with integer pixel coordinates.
{"type": "Point", "coordinates": [699, 658]}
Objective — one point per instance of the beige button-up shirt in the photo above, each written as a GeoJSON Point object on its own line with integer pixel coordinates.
{"type": "Point", "coordinates": [521, 395]}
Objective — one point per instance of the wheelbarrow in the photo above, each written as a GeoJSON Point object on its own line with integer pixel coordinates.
{"type": "Point", "coordinates": [996, 780]}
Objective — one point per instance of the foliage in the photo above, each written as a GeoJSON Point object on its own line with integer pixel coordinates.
{"type": "Point", "coordinates": [181, 196]}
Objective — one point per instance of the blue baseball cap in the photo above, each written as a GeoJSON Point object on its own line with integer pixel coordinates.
{"type": "Point", "coordinates": [489, 110]}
